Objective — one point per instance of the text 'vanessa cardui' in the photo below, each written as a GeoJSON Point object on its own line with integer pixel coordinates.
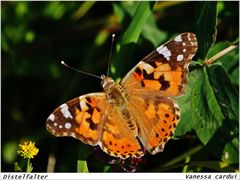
{"type": "Point", "coordinates": [137, 112]}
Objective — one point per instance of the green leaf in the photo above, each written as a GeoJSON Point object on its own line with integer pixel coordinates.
{"type": "Point", "coordinates": [17, 168]}
{"type": "Point", "coordinates": [207, 116]}
{"type": "Point", "coordinates": [230, 61]}
{"type": "Point", "coordinates": [206, 27]}
{"type": "Point", "coordinates": [118, 11]}
{"type": "Point", "coordinates": [106, 168]}
{"type": "Point", "coordinates": [82, 166]}
{"type": "Point", "coordinates": [84, 152]}
{"type": "Point", "coordinates": [130, 37]}
{"type": "Point", "coordinates": [225, 143]}
{"type": "Point", "coordinates": [9, 152]}
{"type": "Point", "coordinates": [224, 91]}
{"type": "Point", "coordinates": [231, 149]}
{"type": "Point", "coordinates": [129, 8]}
{"type": "Point", "coordinates": [135, 28]}
{"type": "Point", "coordinates": [214, 112]}
{"type": "Point", "coordinates": [186, 122]}
{"type": "Point", "coordinates": [151, 32]}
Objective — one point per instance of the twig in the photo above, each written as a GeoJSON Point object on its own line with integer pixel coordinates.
{"type": "Point", "coordinates": [220, 54]}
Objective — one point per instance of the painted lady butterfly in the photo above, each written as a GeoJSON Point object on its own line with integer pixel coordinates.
{"type": "Point", "coordinates": [139, 111]}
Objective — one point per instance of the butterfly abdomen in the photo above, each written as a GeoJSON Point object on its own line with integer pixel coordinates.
{"type": "Point", "coordinates": [117, 97]}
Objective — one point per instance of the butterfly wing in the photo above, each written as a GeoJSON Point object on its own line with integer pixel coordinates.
{"type": "Point", "coordinates": [164, 70]}
{"type": "Point", "coordinates": [157, 119]}
{"type": "Point", "coordinates": [91, 119]}
{"type": "Point", "coordinates": [81, 118]}
{"type": "Point", "coordinates": [151, 84]}
{"type": "Point", "coordinates": [117, 139]}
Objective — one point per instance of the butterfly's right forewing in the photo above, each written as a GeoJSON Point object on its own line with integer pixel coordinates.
{"type": "Point", "coordinates": [81, 118]}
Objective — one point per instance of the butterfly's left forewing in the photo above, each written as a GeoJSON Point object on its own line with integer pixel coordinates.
{"type": "Point", "coordinates": [164, 71]}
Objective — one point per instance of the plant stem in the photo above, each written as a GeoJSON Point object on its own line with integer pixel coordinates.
{"type": "Point", "coordinates": [183, 156]}
{"type": "Point", "coordinates": [220, 54]}
{"type": "Point", "coordinates": [185, 168]}
{"type": "Point", "coordinates": [29, 166]}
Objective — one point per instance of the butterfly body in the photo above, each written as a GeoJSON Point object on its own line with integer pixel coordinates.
{"type": "Point", "coordinates": [136, 114]}
{"type": "Point", "coordinates": [118, 98]}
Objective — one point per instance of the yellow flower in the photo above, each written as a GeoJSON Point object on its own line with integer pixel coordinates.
{"type": "Point", "coordinates": [27, 149]}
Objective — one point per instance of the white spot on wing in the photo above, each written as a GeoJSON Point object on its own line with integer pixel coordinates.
{"type": "Point", "coordinates": [68, 125]}
{"type": "Point", "coordinates": [51, 117]}
{"type": "Point", "coordinates": [189, 38]}
{"type": "Point", "coordinates": [184, 50]}
{"type": "Point", "coordinates": [178, 38]}
{"type": "Point", "coordinates": [83, 104]}
{"type": "Point", "coordinates": [180, 57]}
{"type": "Point", "coordinates": [66, 113]}
{"type": "Point", "coordinates": [164, 51]}
{"type": "Point", "coordinates": [60, 126]}
{"type": "Point", "coordinates": [55, 124]}
{"type": "Point", "coordinates": [194, 43]}
{"type": "Point", "coordinates": [184, 44]}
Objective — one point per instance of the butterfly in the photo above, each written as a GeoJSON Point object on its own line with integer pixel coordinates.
{"type": "Point", "coordinates": [136, 115]}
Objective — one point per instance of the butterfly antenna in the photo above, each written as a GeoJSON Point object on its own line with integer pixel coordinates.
{"type": "Point", "coordinates": [70, 67]}
{"type": "Point", "coordinates": [110, 56]}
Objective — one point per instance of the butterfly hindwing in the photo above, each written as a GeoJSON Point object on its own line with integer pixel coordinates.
{"type": "Point", "coordinates": [157, 119]}
{"type": "Point", "coordinates": [117, 139]}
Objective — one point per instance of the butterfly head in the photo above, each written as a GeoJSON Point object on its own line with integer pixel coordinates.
{"type": "Point", "coordinates": [107, 82]}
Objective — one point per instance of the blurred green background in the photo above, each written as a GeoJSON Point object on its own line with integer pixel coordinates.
{"type": "Point", "coordinates": [36, 36]}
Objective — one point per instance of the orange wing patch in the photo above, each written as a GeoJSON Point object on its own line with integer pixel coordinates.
{"type": "Point", "coordinates": [163, 78]}
{"type": "Point", "coordinates": [120, 147]}
{"type": "Point", "coordinates": [157, 118]}
{"type": "Point", "coordinates": [117, 140]}
{"type": "Point", "coordinates": [164, 70]}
